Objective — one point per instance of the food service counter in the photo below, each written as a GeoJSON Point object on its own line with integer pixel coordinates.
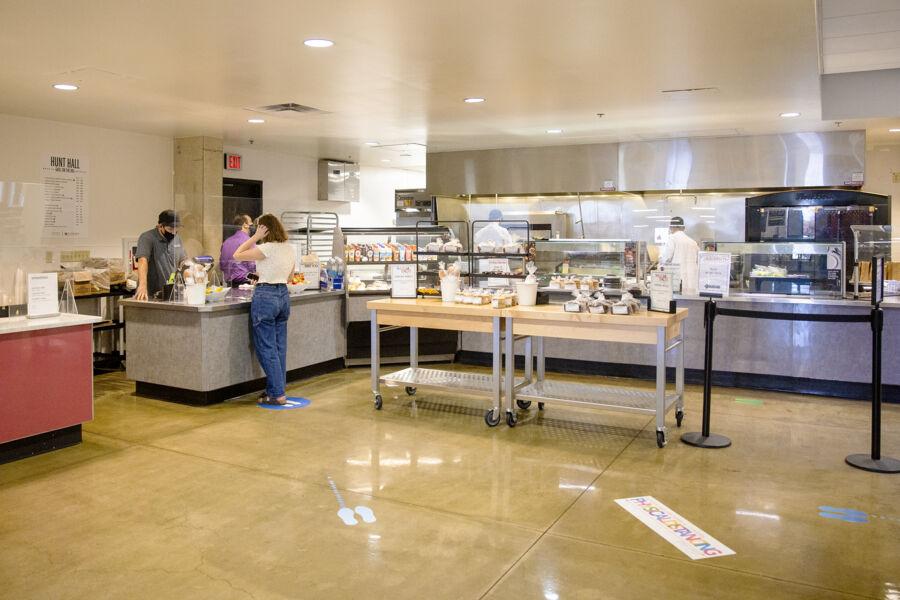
{"type": "Point", "coordinates": [48, 383]}
{"type": "Point", "coordinates": [204, 354]}
{"type": "Point", "coordinates": [821, 358]}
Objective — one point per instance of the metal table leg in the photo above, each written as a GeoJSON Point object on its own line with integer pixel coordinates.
{"type": "Point", "coordinates": [539, 342]}
{"type": "Point", "coordinates": [413, 347]}
{"type": "Point", "coordinates": [679, 380]}
{"type": "Point", "coordinates": [376, 358]}
{"type": "Point", "coordinates": [509, 393]}
{"type": "Point", "coordinates": [661, 386]}
{"type": "Point", "coordinates": [492, 416]}
{"type": "Point", "coordinates": [529, 361]}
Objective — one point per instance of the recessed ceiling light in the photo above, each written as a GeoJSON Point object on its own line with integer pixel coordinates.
{"type": "Point", "coordinates": [66, 87]}
{"type": "Point", "coordinates": [371, 143]}
{"type": "Point", "coordinates": [554, 131]}
{"type": "Point", "coordinates": [789, 115]}
{"type": "Point", "coordinates": [473, 100]}
{"type": "Point", "coordinates": [643, 210]}
{"type": "Point", "coordinates": [385, 160]}
{"type": "Point", "coordinates": [895, 130]}
{"type": "Point", "coordinates": [256, 120]}
{"type": "Point", "coordinates": [319, 43]}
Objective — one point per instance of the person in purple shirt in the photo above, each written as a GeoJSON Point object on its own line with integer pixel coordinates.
{"type": "Point", "coordinates": [236, 271]}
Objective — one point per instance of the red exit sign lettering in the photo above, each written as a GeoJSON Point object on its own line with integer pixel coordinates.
{"type": "Point", "coordinates": [233, 162]}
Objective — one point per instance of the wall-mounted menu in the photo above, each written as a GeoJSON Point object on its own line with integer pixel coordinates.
{"type": "Point", "coordinates": [65, 182]}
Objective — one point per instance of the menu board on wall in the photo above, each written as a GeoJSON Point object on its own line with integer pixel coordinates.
{"type": "Point", "coordinates": [65, 186]}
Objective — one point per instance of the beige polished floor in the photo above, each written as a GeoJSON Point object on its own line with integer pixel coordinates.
{"type": "Point", "coordinates": [234, 501]}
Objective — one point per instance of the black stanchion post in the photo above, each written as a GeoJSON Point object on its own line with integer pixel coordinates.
{"type": "Point", "coordinates": [705, 439]}
{"type": "Point", "coordinates": [874, 462]}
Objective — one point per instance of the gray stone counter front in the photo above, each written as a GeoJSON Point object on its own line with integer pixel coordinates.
{"type": "Point", "coordinates": [204, 354]}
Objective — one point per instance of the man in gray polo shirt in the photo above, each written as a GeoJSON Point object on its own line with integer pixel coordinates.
{"type": "Point", "coordinates": [159, 252]}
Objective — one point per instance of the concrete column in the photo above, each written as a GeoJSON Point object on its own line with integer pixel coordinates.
{"type": "Point", "coordinates": [198, 194]}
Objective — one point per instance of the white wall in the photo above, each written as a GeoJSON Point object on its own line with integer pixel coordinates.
{"type": "Point", "coordinates": [129, 183]}
{"type": "Point", "coordinates": [290, 183]}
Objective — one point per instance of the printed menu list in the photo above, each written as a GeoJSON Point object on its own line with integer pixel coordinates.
{"type": "Point", "coordinates": [64, 180]}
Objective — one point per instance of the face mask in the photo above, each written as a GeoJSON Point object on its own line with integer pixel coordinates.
{"type": "Point", "coordinates": [169, 236]}
{"type": "Point", "coordinates": [252, 231]}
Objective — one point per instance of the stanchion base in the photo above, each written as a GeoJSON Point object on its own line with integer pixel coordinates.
{"type": "Point", "coordinates": [713, 440]}
{"type": "Point", "coordinates": [867, 463]}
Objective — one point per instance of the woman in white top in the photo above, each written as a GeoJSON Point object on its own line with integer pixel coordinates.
{"type": "Point", "coordinates": [271, 304]}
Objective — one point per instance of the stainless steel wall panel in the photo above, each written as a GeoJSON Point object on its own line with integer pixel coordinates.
{"type": "Point", "coordinates": [744, 162]}
{"type": "Point", "coordinates": [546, 169]}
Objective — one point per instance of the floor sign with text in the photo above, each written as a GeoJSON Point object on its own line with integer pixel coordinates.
{"type": "Point", "coordinates": [674, 528]}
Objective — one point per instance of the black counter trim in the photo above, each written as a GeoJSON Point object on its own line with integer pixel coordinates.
{"type": "Point", "coordinates": [849, 390]}
{"type": "Point", "coordinates": [198, 398]}
{"type": "Point", "coordinates": [40, 443]}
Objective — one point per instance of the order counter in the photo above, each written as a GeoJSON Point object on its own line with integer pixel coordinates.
{"type": "Point", "coordinates": [48, 383]}
{"type": "Point", "coordinates": [204, 354]}
{"type": "Point", "coordinates": [822, 358]}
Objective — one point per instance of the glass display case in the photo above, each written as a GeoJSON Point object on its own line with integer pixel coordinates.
{"type": "Point", "coordinates": [444, 242]}
{"type": "Point", "coordinates": [625, 260]}
{"type": "Point", "coordinates": [369, 253]}
{"type": "Point", "coordinates": [870, 241]}
{"type": "Point", "coordinates": [785, 268]}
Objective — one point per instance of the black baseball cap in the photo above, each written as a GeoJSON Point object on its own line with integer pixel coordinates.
{"type": "Point", "coordinates": [169, 218]}
{"type": "Point", "coordinates": [676, 222]}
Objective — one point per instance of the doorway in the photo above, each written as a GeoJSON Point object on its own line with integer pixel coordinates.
{"type": "Point", "coordinates": [240, 197]}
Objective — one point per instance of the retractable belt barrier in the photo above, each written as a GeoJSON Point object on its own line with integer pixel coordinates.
{"type": "Point", "coordinates": [869, 462]}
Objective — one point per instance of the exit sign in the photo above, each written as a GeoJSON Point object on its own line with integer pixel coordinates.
{"type": "Point", "coordinates": [233, 162]}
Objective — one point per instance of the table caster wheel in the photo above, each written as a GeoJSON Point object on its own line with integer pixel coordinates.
{"type": "Point", "coordinates": [679, 417]}
{"type": "Point", "coordinates": [523, 404]}
{"type": "Point", "coordinates": [540, 406]}
{"type": "Point", "coordinates": [410, 391]}
{"type": "Point", "coordinates": [661, 439]}
{"type": "Point", "coordinates": [378, 401]}
{"type": "Point", "coordinates": [491, 419]}
{"type": "Point", "coordinates": [511, 419]}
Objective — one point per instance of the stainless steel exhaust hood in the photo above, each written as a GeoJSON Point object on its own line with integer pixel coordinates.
{"type": "Point", "coordinates": [813, 159]}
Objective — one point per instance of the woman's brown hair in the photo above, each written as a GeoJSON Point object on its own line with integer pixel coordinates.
{"type": "Point", "coordinates": [276, 231]}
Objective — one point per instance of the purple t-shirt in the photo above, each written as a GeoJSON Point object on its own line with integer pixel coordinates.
{"type": "Point", "coordinates": [235, 270]}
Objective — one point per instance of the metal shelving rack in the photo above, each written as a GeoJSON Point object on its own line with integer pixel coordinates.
{"type": "Point", "coordinates": [475, 255]}
{"type": "Point", "coordinates": [313, 231]}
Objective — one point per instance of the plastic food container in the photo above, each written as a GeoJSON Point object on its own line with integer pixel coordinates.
{"type": "Point", "coordinates": [527, 293]}
{"type": "Point", "coordinates": [449, 287]}
{"type": "Point", "coordinates": [195, 294]}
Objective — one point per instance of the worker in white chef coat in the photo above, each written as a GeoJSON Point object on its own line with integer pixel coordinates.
{"type": "Point", "coordinates": [681, 252]}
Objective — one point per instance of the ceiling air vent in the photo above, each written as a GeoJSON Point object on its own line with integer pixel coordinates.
{"type": "Point", "coordinates": [287, 108]}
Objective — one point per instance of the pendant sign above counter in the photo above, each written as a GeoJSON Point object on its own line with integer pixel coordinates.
{"type": "Point", "coordinates": [64, 180]}
{"type": "Point", "coordinates": [714, 274]}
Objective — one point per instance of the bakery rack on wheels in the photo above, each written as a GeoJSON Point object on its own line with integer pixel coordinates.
{"type": "Point", "coordinates": [664, 331]}
{"type": "Point", "coordinates": [433, 314]}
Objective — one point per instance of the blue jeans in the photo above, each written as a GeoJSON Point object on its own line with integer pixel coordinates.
{"type": "Point", "coordinates": [269, 314]}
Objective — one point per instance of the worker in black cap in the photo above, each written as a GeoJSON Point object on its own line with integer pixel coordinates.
{"type": "Point", "coordinates": [681, 253]}
{"type": "Point", "coordinates": [159, 252]}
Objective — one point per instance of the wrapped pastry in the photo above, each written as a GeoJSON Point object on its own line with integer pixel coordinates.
{"type": "Point", "coordinates": [453, 246]}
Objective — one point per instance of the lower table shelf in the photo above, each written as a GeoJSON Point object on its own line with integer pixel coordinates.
{"type": "Point", "coordinates": [472, 383]}
{"type": "Point", "coordinates": [598, 396]}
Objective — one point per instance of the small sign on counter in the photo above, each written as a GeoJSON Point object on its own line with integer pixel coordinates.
{"type": "Point", "coordinates": [403, 281]}
{"type": "Point", "coordinates": [42, 300]}
{"type": "Point", "coordinates": [714, 274]}
{"type": "Point", "coordinates": [661, 292]}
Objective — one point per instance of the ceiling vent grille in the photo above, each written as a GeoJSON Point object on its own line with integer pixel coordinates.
{"type": "Point", "coordinates": [288, 107]}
